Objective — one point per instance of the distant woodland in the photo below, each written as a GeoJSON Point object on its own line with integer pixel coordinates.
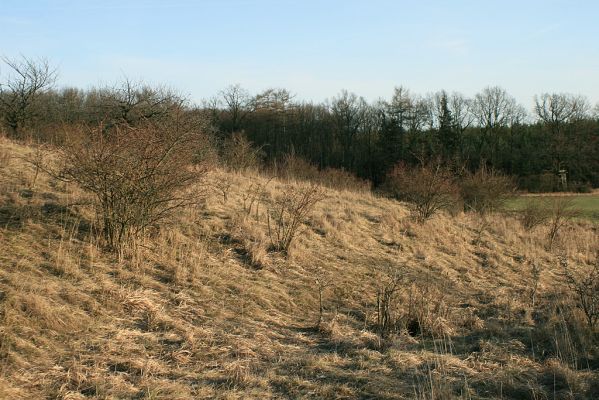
{"type": "Point", "coordinates": [490, 129]}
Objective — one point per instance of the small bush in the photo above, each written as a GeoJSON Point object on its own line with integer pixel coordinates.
{"type": "Point", "coordinates": [340, 179]}
{"type": "Point", "coordinates": [390, 284]}
{"type": "Point", "coordinates": [293, 167]}
{"type": "Point", "coordinates": [138, 175]}
{"type": "Point", "coordinates": [286, 213]}
{"type": "Point", "coordinates": [290, 167]}
{"type": "Point", "coordinates": [561, 212]}
{"type": "Point", "coordinates": [238, 153]}
{"type": "Point", "coordinates": [533, 214]}
{"type": "Point", "coordinates": [428, 188]}
{"type": "Point", "coordinates": [584, 285]}
{"type": "Point", "coordinates": [223, 185]}
{"type": "Point", "coordinates": [485, 190]}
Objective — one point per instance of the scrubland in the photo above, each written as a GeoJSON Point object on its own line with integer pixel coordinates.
{"type": "Point", "coordinates": [474, 307]}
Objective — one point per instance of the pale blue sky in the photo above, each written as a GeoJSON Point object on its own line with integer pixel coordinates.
{"type": "Point", "coordinates": [315, 48]}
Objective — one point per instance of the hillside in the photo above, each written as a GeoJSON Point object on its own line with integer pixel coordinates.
{"type": "Point", "coordinates": [202, 309]}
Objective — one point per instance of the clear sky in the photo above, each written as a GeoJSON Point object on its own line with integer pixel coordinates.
{"type": "Point", "coordinates": [314, 48]}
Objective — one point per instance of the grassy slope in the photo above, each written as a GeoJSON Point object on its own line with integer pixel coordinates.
{"type": "Point", "coordinates": [202, 310]}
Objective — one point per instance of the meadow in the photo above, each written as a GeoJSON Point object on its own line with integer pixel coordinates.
{"type": "Point", "coordinates": [586, 205]}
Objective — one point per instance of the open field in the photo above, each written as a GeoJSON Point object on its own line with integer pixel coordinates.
{"type": "Point", "coordinates": [203, 309]}
{"type": "Point", "coordinates": [586, 204]}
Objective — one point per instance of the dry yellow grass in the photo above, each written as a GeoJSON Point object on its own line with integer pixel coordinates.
{"type": "Point", "coordinates": [202, 308]}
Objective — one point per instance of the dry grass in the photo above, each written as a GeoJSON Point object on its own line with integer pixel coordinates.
{"type": "Point", "coordinates": [202, 309]}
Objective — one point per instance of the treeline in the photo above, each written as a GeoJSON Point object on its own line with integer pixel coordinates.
{"type": "Point", "coordinates": [491, 129]}
{"type": "Point", "coordinates": [346, 132]}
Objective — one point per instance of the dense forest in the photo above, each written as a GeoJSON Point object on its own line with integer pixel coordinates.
{"type": "Point", "coordinates": [368, 138]}
{"type": "Point", "coordinates": [561, 132]}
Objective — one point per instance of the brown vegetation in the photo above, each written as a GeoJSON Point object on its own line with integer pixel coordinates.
{"type": "Point", "coordinates": [239, 155]}
{"type": "Point", "coordinates": [292, 167]}
{"type": "Point", "coordinates": [584, 284]}
{"type": "Point", "coordinates": [561, 212]}
{"type": "Point", "coordinates": [137, 175]}
{"type": "Point", "coordinates": [485, 190]}
{"type": "Point", "coordinates": [533, 214]}
{"type": "Point", "coordinates": [286, 213]}
{"type": "Point", "coordinates": [188, 314]}
{"type": "Point", "coordinates": [428, 188]}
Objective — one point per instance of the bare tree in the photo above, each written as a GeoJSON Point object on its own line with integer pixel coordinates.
{"type": "Point", "coordinates": [559, 108]}
{"type": "Point", "coordinates": [238, 104]}
{"type": "Point", "coordinates": [400, 106]}
{"type": "Point", "coordinates": [133, 102]}
{"type": "Point", "coordinates": [494, 109]}
{"type": "Point", "coordinates": [557, 111]}
{"type": "Point", "coordinates": [26, 80]}
{"type": "Point", "coordinates": [461, 110]}
{"type": "Point", "coordinates": [275, 104]}
{"type": "Point", "coordinates": [348, 112]}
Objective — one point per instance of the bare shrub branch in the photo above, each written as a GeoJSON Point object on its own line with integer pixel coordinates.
{"type": "Point", "coordinates": [584, 285]}
{"type": "Point", "coordinates": [239, 154]}
{"type": "Point", "coordinates": [533, 214]}
{"type": "Point", "coordinates": [486, 190]}
{"type": "Point", "coordinates": [561, 212]}
{"type": "Point", "coordinates": [26, 80]}
{"type": "Point", "coordinates": [138, 175]}
{"type": "Point", "coordinates": [294, 167]}
{"type": "Point", "coordinates": [253, 196]}
{"type": "Point", "coordinates": [286, 213]}
{"type": "Point", "coordinates": [389, 287]}
{"type": "Point", "coordinates": [428, 188]}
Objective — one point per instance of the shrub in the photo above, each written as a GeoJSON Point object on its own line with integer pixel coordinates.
{"type": "Point", "coordinates": [533, 214]}
{"type": "Point", "coordinates": [428, 188]}
{"type": "Point", "coordinates": [291, 166]}
{"type": "Point", "coordinates": [341, 179]}
{"type": "Point", "coordinates": [485, 190]}
{"type": "Point", "coordinates": [223, 185]}
{"type": "Point", "coordinates": [238, 153]}
{"type": "Point", "coordinates": [561, 212]}
{"type": "Point", "coordinates": [286, 213]}
{"type": "Point", "coordinates": [138, 175]}
{"type": "Point", "coordinates": [584, 285]}
{"type": "Point", "coordinates": [390, 284]}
